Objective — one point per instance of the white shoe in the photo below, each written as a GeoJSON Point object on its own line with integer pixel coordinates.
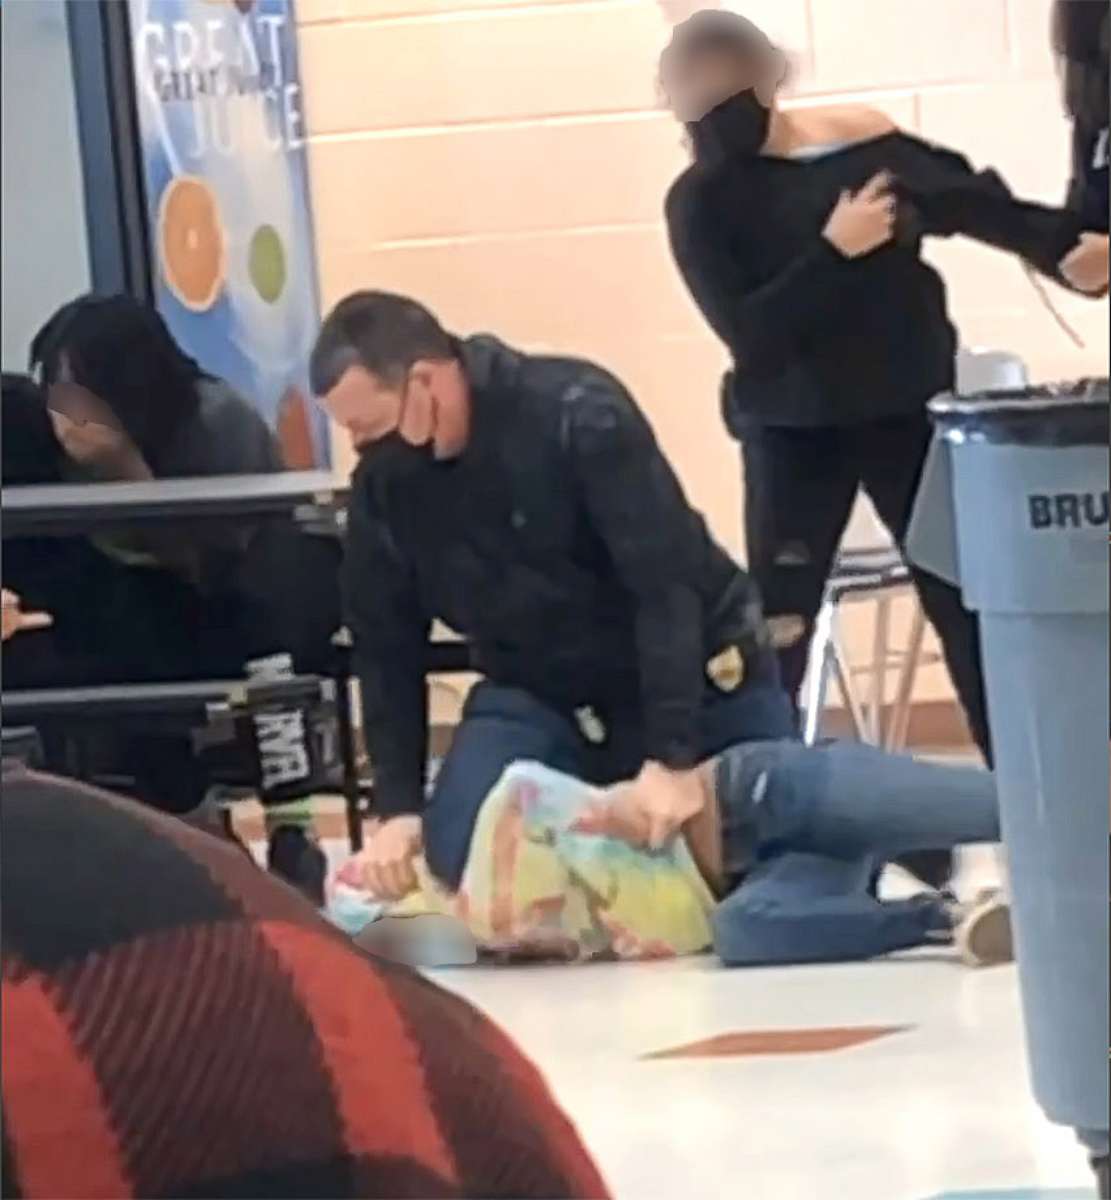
{"type": "Point", "coordinates": [427, 940]}
{"type": "Point", "coordinates": [982, 931]}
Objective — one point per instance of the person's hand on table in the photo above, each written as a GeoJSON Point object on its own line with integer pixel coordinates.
{"type": "Point", "coordinates": [1085, 267]}
{"type": "Point", "coordinates": [15, 620]}
{"type": "Point", "coordinates": [388, 862]}
{"type": "Point", "coordinates": [652, 809]}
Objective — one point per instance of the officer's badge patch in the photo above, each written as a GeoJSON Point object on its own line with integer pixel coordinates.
{"type": "Point", "coordinates": [727, 669]}
{"type": "Point", "coordinates": [591, 726]}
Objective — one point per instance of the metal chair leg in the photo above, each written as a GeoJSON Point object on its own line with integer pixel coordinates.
{"type": "Point", "coordinates": [842, 672]}
{"type": "Point", "coordinates": [899, 725]}
{"type": "Point", "coordinates": [352, 797]}
{"type": "Point", "coordinates": [817, 672]}
{"type": "Point", "coordinates": [881, 640]}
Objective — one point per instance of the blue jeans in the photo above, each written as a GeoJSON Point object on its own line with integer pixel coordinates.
{"type": "Point", "coordinates": [503, 725]}
{"type": "Point", "coordinates": [805, 830]}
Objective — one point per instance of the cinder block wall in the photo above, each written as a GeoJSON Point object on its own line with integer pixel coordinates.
{"type": "Point", "coordinates": [506, 162]}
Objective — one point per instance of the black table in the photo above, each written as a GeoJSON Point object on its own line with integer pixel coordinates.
{"type": "Point", "coordinates": [157, 702]}
{"type": "Point", "coordinates": [313, 498]}
{"type": "Point", "coordinates": [218, 715]}
{"type": "Point", "coordinates": [23, 744]}
{"type": "Point", "coordinates": [64, 510]}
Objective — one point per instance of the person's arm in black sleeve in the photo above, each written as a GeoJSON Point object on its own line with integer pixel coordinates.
{"type": "Point", "coordinates": [637, 507]}
{"type": "Point", "coordinates": [391, 639]}
{"type": "Point", "coordinates": [762, 325]}
{"type": "Point", "coordinates": [951, 198]}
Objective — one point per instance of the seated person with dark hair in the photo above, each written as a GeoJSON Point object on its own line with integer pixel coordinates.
{"type": "Point", "coordinates": [129, 403]}
{"type": "Point", "coordinates": [120, 618]}
{"type": "Point", "coordinates": [112, 622]}
{"type": "Point", "coordinates": [177, 1024]}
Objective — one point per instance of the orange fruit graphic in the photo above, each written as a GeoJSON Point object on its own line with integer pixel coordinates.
{"type": "Point", "coordinates": [191, 242]}
{"type": "Point", "coordinates": [295, 431]}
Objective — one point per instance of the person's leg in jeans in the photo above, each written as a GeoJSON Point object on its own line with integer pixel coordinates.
{"type": "Point", "coordinates": [799, 487]}
{"type": "Point", "coordinates": [808, 828]}
{"type": "Point", "coordinates": [808, 908]}
{"type": "Point", "coordinates": [500, 726]}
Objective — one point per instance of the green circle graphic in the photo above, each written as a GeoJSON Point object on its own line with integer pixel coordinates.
{"type": "Point", "coordinates": [266, 263]}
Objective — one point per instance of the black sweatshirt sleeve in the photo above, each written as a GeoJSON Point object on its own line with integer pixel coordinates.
{"type": "Point", "coordinates": [951, 198]}
{"type": "Point", "coordinates": [639, 510]}
{"type": "Point", "coordinates": [762, 325]}
{"type": "Point", "coordinates": [391, 638]}
{"type": "Point", "coordinates": [1087, 194]}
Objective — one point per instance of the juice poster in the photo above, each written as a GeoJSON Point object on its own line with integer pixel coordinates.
{"type": "Point", "coordinates": [223, 149]}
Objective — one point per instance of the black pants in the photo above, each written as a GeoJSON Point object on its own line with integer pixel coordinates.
{"type": "Point", "coordinates": [800, 488]}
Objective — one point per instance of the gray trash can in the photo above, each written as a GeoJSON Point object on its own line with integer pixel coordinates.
{"type": "Point", "coordinates": [1014, 509]}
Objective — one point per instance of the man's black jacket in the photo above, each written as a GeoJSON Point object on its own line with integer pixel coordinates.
{"type": "Point", "coordinates": [560, 545]}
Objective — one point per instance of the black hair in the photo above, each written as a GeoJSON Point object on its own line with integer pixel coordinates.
{"type": "Point", "coordinates": [1082, 40]}
{"type": "Point", "coordinates": [29, 448]}
{"type": "Point", "coordinates": [713, 30]}
{"type": "Point", "coordinates": [123, 352]}
{"type": "Point", "coordinates": [382, 332]}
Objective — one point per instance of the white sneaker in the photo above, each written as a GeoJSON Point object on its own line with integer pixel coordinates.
{"type": "Point", "coordinates": [982, 931]}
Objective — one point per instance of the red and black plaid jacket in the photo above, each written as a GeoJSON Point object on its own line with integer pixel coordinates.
{"type": "Point", "coordinates": [177, 1023]}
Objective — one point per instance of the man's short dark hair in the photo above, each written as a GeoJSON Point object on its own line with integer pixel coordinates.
{"type": "Point", "coordinates": [382, 332]}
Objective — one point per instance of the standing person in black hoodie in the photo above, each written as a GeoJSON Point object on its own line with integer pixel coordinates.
{"type": "Point", "coordinates": [1082, 41]}
{"type": "Point", "coordinates": [799, 235]}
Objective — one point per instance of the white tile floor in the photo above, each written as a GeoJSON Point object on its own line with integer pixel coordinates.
{"type": "Point", "coordinates": [940, 1112]}
{"type": "Point", "coordinates": [942, 1108]}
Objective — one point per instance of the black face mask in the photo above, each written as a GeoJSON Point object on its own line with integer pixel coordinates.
{"type": "Point", "coordinates": [737, 126]}
{"type": "Point", "coordinates": [393, 458]}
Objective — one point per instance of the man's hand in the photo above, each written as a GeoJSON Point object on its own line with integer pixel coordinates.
{"type": "Point", "coordinates": [652, 809]}
{"type": "Point", "coordinates": [1086, 267]}
{"type": "Point", "coordinates": [15, 620]}
{"type": "Point", "coordinates": [388, 862]}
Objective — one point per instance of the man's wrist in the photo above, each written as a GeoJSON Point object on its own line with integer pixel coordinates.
{"type": "Point", "coordinates": [402, 814]}
{"type": "Point", "coordinates": [670, 769]}
{"type": "Point", "coordinates": [685, 783]}
{"type": "Point", "coordinates": [675, 755]}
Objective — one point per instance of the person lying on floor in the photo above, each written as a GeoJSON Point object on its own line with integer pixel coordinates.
{"type": "Point", "coordinates": [176, 1023]}
{"type": "Point", "coordinates": [775, 863]}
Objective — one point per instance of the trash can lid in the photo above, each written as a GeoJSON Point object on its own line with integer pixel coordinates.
{"type": "Point", "coordinates": [1048, 414]}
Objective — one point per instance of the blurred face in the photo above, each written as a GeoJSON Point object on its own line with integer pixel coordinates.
{"type": "Point", "coordinates": [694, 84]}
{"type": "Point", "coordinates": [81, 406]}
{"type": "Point", "coordinates": [428, 409]}
{"type": "Point", "coordinates": [90, 433]}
